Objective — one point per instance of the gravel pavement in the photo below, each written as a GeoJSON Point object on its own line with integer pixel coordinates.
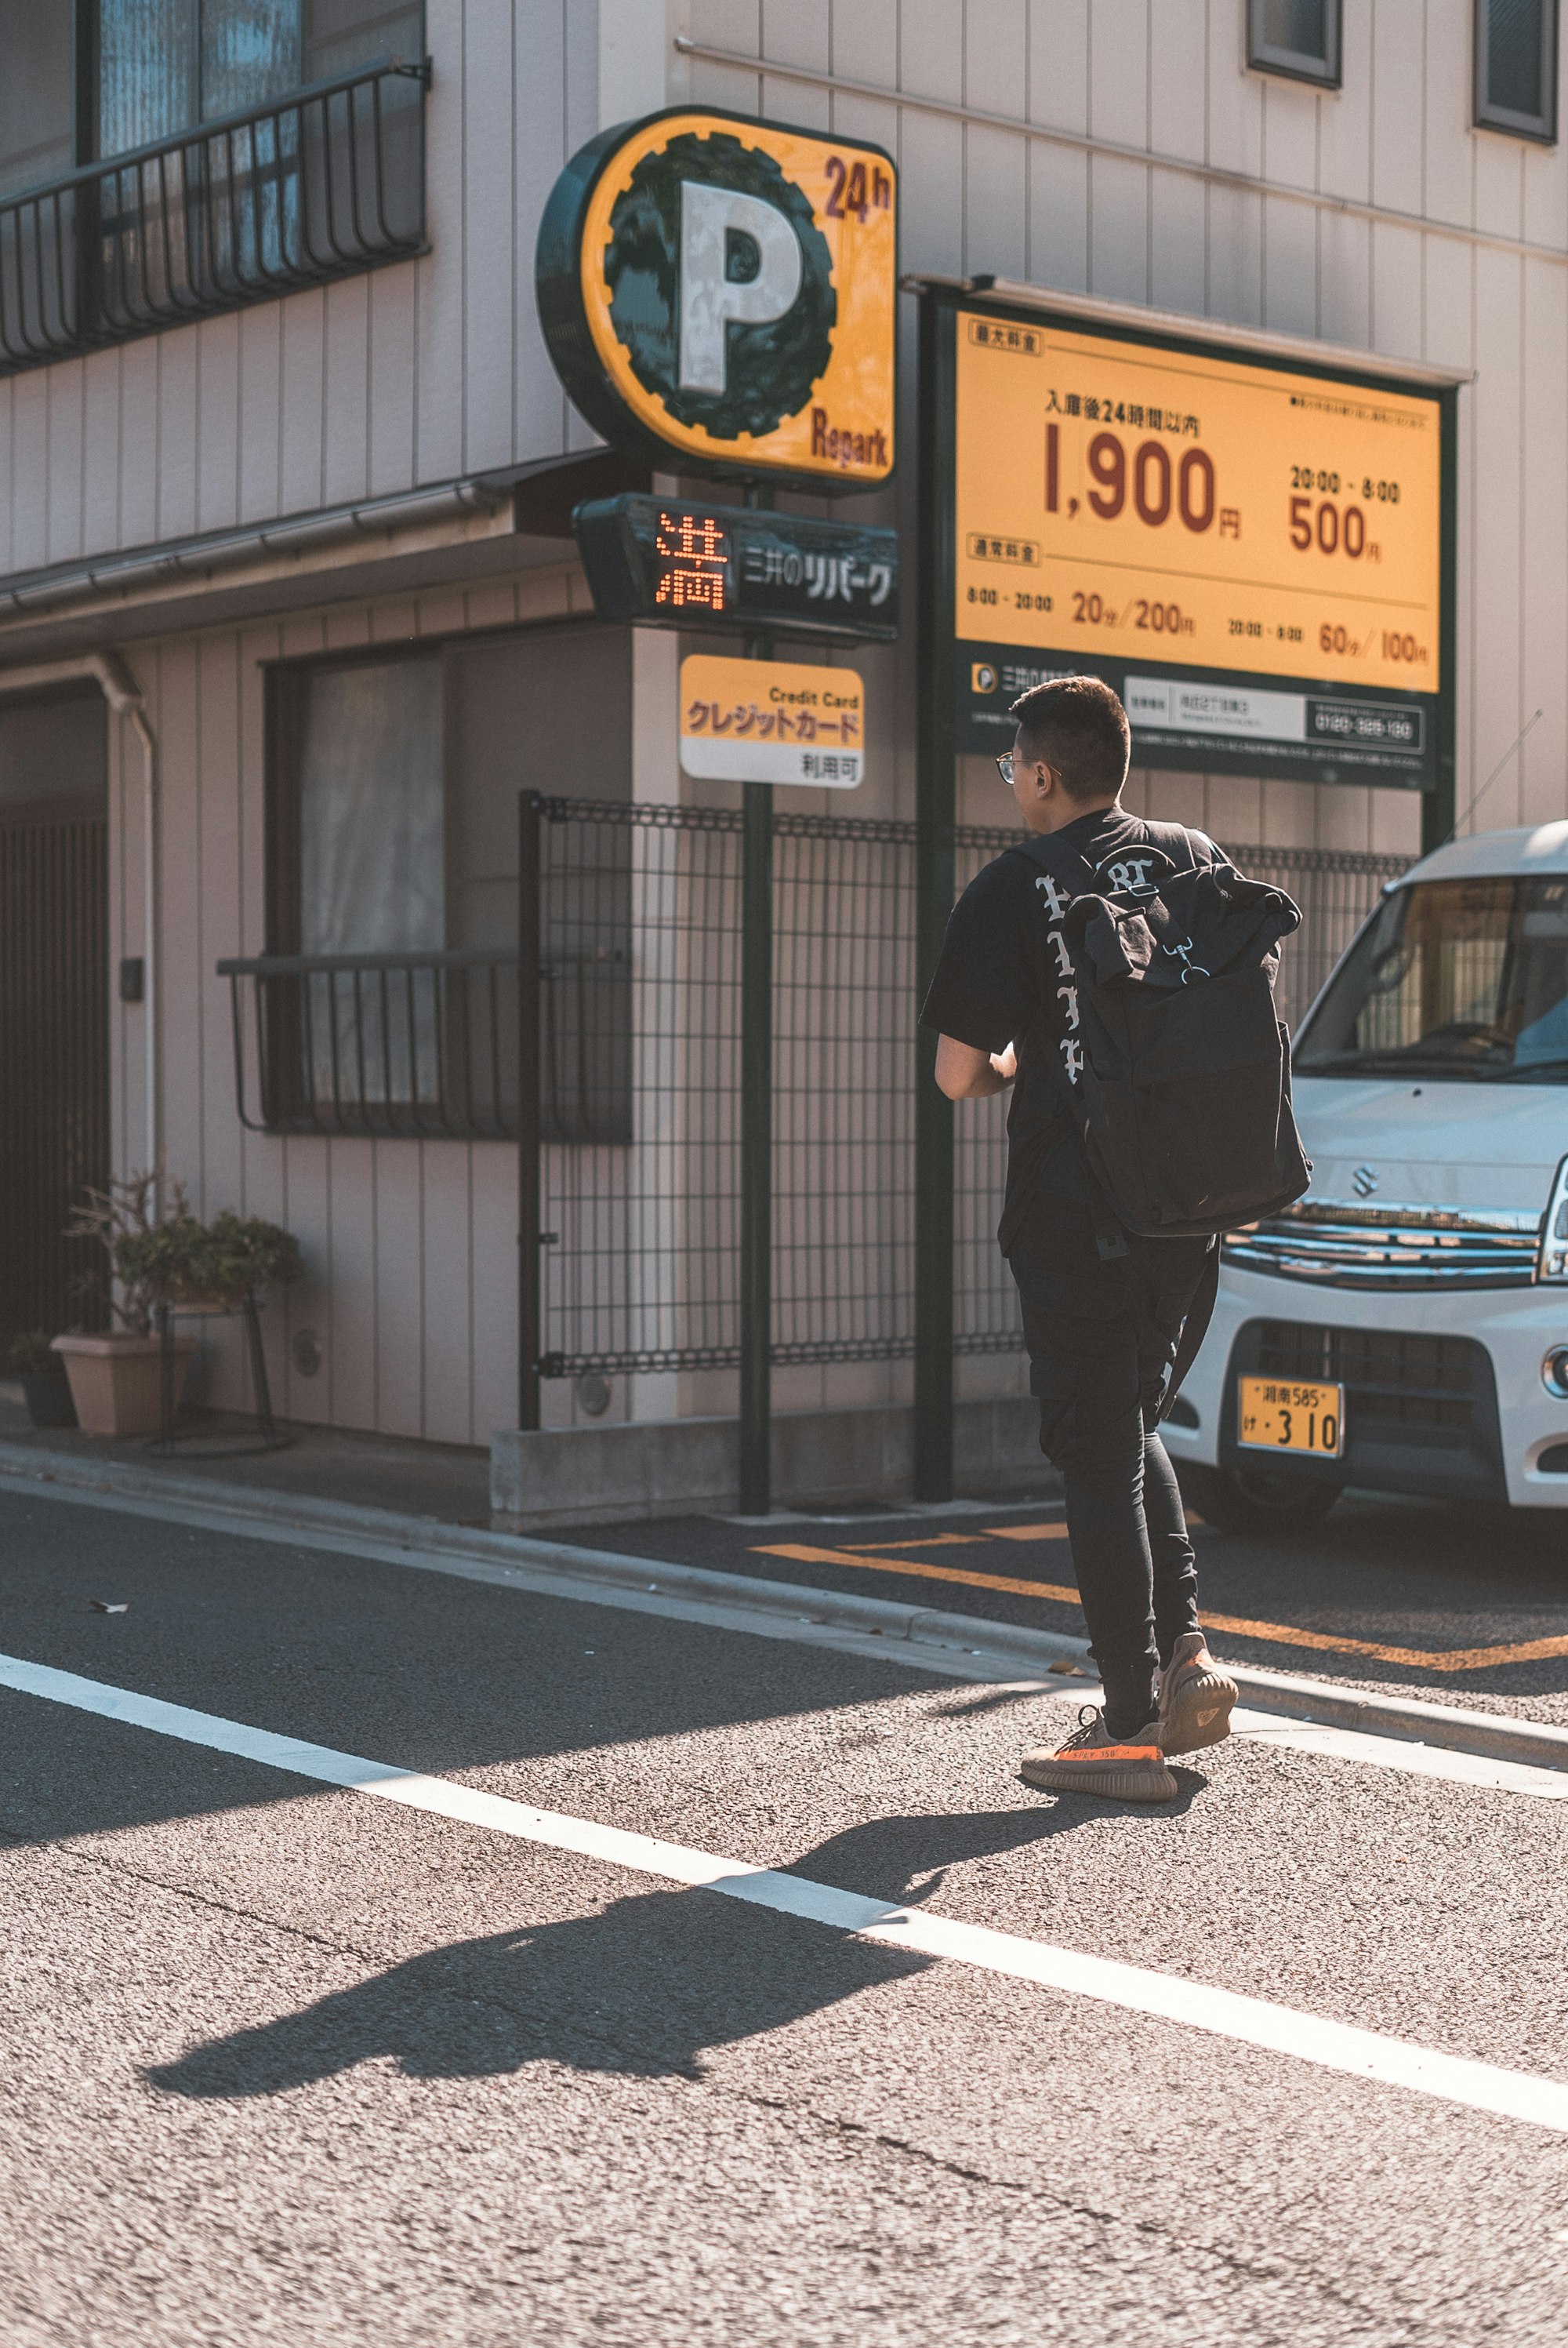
{"type": "Point", "coordinates": [283, 2063]}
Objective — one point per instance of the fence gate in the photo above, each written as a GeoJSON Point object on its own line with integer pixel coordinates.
{"type": "Point", "coordinates": [54, 1056]}
{"type": "Point", "coordinates": [629, 965]}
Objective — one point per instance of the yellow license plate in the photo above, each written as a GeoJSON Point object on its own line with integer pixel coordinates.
{"type": "Point", "coordinates": [1278, 1415]}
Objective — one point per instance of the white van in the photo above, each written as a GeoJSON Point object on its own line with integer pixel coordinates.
{"type": "Point", "coordinates": [1405, 1326]}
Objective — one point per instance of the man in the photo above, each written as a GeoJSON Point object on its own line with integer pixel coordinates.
{"type": "Point", "coordinates": [1103, 1312]}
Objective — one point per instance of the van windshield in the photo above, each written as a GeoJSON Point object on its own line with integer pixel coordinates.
{"type": "Point", "coordinates": [1459, 979]}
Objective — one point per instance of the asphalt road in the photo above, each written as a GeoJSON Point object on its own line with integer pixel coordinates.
{"type": "Point", "coordinates": [286, 2063]}
{"type": "Point", "coordinates": [1431, 1600]}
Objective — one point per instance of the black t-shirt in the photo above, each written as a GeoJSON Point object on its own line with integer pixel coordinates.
{"type": "Point", "coordinates": [1005, 977]}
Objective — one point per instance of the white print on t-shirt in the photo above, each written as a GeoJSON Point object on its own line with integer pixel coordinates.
{"type": "Point", "coordinates": [1130, 874]}
{"type": "Point", "coordinates": [1056, 902]}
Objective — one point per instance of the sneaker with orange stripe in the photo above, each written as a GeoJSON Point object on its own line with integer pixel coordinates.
{"type": "Point", "coordinates": [1092, 1761]}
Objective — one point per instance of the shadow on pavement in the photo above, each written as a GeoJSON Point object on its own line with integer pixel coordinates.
{"type": "Point", "coordinates": [645, 1987]}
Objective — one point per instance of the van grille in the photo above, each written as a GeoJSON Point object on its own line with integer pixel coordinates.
{"type": "Point", "coordinates": [1402, 1379]}
{"type": "Point", "coordinates": [1335, 1245]}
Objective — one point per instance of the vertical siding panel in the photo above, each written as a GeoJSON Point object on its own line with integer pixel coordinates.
{"type": "Point", "coordinates": [1058, 217]}
{"type": "Point", "coordinates": [390, 370]}
{"type": "Point", "coordinates": [931, 161]}
{"type": "Point", "coordinates": [1397, 147]}
{"type": "Point", "coordinates": [537, 148]}
{"type": "Point", "coordinates": [865, 41]}
{"type": "Point", "coordinates": [1345, 279]}
{"type": "Point", "coordinates": [1397, 292]}
{"type": "Point", "coordinates": [931, 47]}
{"type": "Point", "coordinates": [138, 380]}
{"type": "Point", "coordinates": [177, 423]}
{"type": "Point", "coordinates": [100, 452]}
{"type": "Point", "coordinates": [400, 1284]}
{"type": "Point", "coordinates": [218, 408]}
{"type": "Point", "coordinates": [1177, 244]}
{"type": "Point", "coordinates": [441, 327]}
{"type": "Point", "coordinates": [345, 466]}
{"type": "Point", "coordinates": [303, 319]}
{"type": "Point", "coordinates": [1290, 268]}
{"type": "Point", "coordinates": [1448, 161]}
{"type": "Point", "coordinates": [495, 1289]}
{"type": "Point", "coordinates": [30, 472]}
{"type": "Point", "coordinates": [996, 203]}
{"type": "Point", "coordinates": [65, 398]}
{"type": "Point", "coordinates": [1177, 79]}
{"type": "Point", "coordinates": [260, 410]}
{"type": "Point", "coordinates": [491, 236]}
{"type": "Point", "coordinates": [1345, 121]}
{"type": "Point", "coordinates": [448, 1279]}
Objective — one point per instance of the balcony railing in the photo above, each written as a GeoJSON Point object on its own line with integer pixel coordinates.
{"type": "Point", "coordinates": [324, 184]}
{"type": "Point", "coordinates": [418, 1045]}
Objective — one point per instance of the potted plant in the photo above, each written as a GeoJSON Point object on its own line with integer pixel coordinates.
{"type": "Point", "coordinates": [115, 1379]}
{"type": "Point", "coordinates": [42, 1375]}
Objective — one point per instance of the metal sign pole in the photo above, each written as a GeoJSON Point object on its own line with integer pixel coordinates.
{"type": "Point", "coordinates": [756, 1123]}
{"type": "Point", "coordinates": [935, 809]}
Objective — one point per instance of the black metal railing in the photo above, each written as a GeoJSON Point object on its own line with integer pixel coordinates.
{"type": "Point", "coordinates": [421, 1046]}
{"type": "Point", "coordinates": [324, 183]}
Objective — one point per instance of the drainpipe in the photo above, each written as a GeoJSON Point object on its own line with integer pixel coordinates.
{"type": "Point", "coordinates": [124, 697]}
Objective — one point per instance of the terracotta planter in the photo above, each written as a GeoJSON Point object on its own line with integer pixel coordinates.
{"type": "Point", "coordinates": [115, 1381]}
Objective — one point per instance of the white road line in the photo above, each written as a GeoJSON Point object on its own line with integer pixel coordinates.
{"type": "Point", "coordinates": [1248, 2021]}
{"type": "Point", "coordinates": [1397, 1753]}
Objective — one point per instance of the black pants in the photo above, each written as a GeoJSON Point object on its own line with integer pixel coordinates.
{"type": "Point", "coordinates": [1101, 1340]}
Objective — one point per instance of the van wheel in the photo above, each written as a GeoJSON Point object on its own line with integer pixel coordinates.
{"type": "Point", "coordinates": [1257, 1500]}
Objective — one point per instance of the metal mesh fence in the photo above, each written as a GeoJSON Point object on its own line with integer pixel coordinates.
{"type": "Point", "coordinates": [640, 958]}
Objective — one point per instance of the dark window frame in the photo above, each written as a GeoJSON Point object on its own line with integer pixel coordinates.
{"type": "Point", "coordinates": [1295, 65]}
{"type": "Point", "coordinates": [1540, 130]}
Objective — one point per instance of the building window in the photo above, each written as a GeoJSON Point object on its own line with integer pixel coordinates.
{"type": "Point", "coordinates": [1516, 67]}
{"type": "Point", "coordinates": [392, 881]}
{"type": "Point", "coordinates": [161, 161]}
{"type": "Point", "coordinates": [1298, 39]}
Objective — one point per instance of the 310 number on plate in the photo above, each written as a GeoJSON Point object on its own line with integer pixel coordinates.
{"type": "Point", "coordinates": [1280, 1414]}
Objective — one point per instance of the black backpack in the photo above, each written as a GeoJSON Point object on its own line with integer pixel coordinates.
{"type": "Point", "coordinates": [1183, 1090]}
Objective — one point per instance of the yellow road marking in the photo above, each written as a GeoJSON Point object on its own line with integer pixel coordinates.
{"type": "Point", "coordinates": [932, 1541]}
{"type": "Point", "coordinates": [1057, 1531]}
{"type": "Point", "coordinates": [1279, 1634]}
{"type": "Point", "coordinates": [803, 1556]}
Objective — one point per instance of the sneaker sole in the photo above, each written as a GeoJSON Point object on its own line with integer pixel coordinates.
{"type": "Point", "coordinates": [1113, 1781]}
{"type": "Point", "coordinates": [1201, 1714]}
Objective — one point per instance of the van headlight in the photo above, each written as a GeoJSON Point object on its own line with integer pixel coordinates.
{"type": "Point", "coordinates": [1552, 1263]}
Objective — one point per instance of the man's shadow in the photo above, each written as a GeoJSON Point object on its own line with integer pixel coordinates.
{"type": "Point", "coordinates": [645, 1986]}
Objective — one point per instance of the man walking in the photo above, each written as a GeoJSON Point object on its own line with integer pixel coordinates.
{"type": "Point", "coordinates": [1103, 1310]}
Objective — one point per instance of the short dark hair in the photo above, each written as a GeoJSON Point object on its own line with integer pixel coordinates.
{"type": "Point", "coordinates": [1078, 727]}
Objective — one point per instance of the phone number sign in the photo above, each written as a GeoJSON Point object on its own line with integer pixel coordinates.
{"type": "Point", "coordinates": [1251, 554]}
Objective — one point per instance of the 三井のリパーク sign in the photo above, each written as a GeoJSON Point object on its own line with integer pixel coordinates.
{"type": "Point", "coordinates": [1251, 554]}
{"type": "Point", "coordinates": [725, 288]}
{"type": "Point", "coordinates": [772, 722]}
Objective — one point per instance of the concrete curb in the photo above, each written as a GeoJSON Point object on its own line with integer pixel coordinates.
{"type": "Point", "coordinates": [1025, 1651]}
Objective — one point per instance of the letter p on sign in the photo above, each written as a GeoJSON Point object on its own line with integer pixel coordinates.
{"type": "Point", "coordinates": [714, 222]}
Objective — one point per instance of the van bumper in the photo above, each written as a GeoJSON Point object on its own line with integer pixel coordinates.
{"type": "Point", "coordinates": [1444, 1395]}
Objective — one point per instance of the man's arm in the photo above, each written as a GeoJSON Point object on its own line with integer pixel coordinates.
{"type": "Point", "coordinates": [966, 1073]}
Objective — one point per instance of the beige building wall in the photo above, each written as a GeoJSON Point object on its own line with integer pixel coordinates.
{"type": "Point", "coordinates": [1114, 147]}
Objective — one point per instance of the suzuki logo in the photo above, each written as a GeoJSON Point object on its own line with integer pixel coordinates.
{"type": "Point", "coordinates": [1365, 1180]}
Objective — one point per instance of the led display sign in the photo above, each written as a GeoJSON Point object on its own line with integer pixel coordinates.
{"type": "Point", "coordinates": [724, 289]}
{"type": "Point", "coordinates": [668, 562]}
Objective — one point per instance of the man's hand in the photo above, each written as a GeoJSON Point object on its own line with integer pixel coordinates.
{"type": "Point", "coordinates": [966, 1073]}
